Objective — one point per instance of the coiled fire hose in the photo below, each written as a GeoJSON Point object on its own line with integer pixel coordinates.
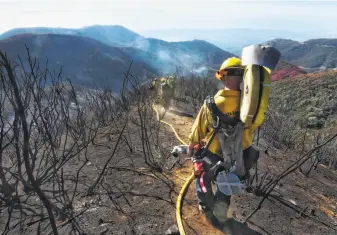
{"type": "Point", "coordinates": [186, 184]}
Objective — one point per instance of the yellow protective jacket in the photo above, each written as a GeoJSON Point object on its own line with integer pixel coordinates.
{"type": "Point", "coordinates": [228, 102]}
{"type": "Point", "coordinates": [167, 81]}
{"type": "Point", "coordinates": [153, 83]}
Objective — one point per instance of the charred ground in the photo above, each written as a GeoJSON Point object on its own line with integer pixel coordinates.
{"type": "Point", "coordinates": [100, 163]}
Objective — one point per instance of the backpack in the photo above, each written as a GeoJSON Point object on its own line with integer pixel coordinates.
{"type": "Point", "coordinates": [229, 132]}
{"type": "Point", "coordinates": [167, 88]}
{"type": "Point", "coordinates": [165, 85]}
{"type": "Point", "coordinates": [259, 62]}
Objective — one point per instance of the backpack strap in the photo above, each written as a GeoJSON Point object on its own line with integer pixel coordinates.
{"type": "Point", "coordinates": [219, 116]}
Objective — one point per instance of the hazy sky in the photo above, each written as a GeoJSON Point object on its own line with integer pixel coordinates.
{"type": "Point", "coordinates": [140, 15]}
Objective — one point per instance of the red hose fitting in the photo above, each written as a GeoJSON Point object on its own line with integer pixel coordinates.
{"type": "Point", "coordinates": [198, 168]}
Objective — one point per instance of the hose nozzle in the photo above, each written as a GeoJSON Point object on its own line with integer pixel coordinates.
{"type": "Point", "coordinates": [180, 149]}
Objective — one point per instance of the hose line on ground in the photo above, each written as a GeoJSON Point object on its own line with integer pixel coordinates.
{"type": "Point", "coordinates": [185, 186]}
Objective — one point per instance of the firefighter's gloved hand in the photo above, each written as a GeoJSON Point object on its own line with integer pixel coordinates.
{"type": "Point", "coordinates": [180, 149]}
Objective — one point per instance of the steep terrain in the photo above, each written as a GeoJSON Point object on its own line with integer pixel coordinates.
{"type": "Point", "coordinates": [311, 55]}
{"type": "Point", "coordinates": [308, 99]}
{"type": "Point", "coordinates": [138, 200]}
{"type": "Point", "coordinates": [135, 198]}
{"type": "Point", "coordinates": [84, 60]}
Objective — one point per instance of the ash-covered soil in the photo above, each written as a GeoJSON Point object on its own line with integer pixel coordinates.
{"type": "Point", "coordinates": [135, 199]}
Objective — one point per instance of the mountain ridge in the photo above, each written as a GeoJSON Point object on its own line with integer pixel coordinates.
{"type": "Point", "coordinates": [310, 55]}
{"type": "Point", "coordinates": [185, 55]}
{"type": "Point", "coordinates": [150, 56]}
{"type": "Point", "coordinates": [162, 57]}
{"type": "Point", "coordinates": [83, 59]}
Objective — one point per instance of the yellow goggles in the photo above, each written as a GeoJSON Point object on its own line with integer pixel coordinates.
{"type": "Point", "coordinates": [231, 72]}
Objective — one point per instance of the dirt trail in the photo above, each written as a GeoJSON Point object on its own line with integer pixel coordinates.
{"type": "Point", "coordinates": [194, 221]}
{"type": "Point", "coordinates": [317, 193]}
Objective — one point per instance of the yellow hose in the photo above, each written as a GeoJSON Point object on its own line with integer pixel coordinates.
{"type": "Point", "coordinates": [185, 186]}
{"type": "Point", "coordinates": [179, 203]}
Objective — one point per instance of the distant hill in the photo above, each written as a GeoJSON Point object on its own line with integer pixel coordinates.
{"type": "Point", "coordinates": [164, 57]}
{"type": "Point", "coordinates": [84, 60]}
{"type": "Point", "coordinates": [232, 39]}
{"type": "Point", "coordinates": [111, 35]}
{"type": "Point", "coordinates": [286, 70]}
{"type": "Point", "coordinates": [311, 55]}
{"type": "Point", "coordinates": [186, 56]}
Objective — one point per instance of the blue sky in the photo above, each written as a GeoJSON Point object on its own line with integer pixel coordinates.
{"type": "Point", "coordinates": [140, 15]}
